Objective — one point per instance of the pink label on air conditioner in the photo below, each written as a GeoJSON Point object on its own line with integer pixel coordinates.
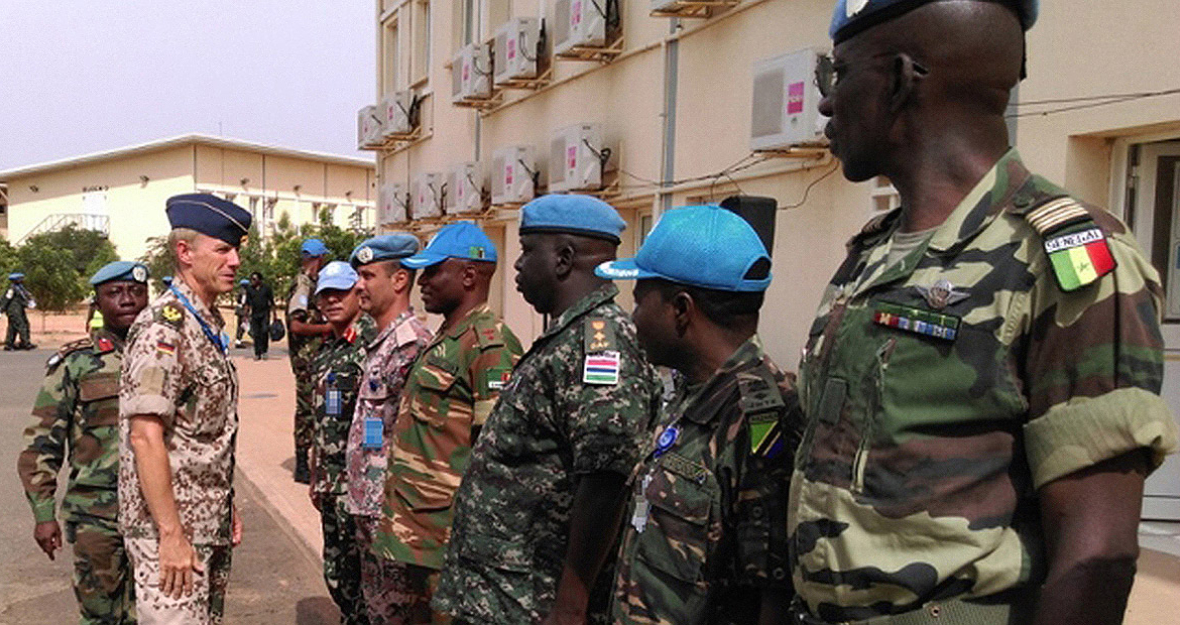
{"type": "Point", "coordinates": [576, 13]}
{"type": "Point", "coordinates": [466, 72]}
{"type": "Point", "coordinates": [571, 153]}
{"type": "Point", "coordinates": [795, 98]}
{"type": "Point", "coordinates": [511, 49]}
{"type": "Point", "coordinates": [508, 174]}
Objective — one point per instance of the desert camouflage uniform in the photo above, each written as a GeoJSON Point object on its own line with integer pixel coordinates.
{"type": "Point", "coordinates": [302, 349]}
{"type": "Point", "coordinates": [76, 420]}
{"type": "Point", "coordinates": [173, 371]}
{"type": "Point", "coordinates": [706, 533]}
{"type": "Point", "coordinates": [16, 298]}
{"type": "Point", "coordinates": [387, 362]}
{"type": "Point", "coordinates": [915, 484]}
{"type": "Point", "coordinates": [448, 396]}
{"type": "Point", "coordinates": [337, 368]}
{"type": "Point", "coordinates": [511, 528]}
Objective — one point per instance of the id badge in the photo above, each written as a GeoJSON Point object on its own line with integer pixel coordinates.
{"type": "Point", "coordinates": [642, 506]}
{"type": "Point", "coordinates": [332, 402]}
{"type": "Point", "coordinates": [374, 433]}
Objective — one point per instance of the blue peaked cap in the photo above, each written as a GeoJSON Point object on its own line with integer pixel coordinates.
{"type": "Point", "coordinates": [13, 277]}
{"type": "Point", "coordinates": [313, 248]}
{"type": "Point", "coordinates": [854, 16]}
{"type": "Point", "coordinates": [120, 271]}
{"type": "Point", "coordinates": [209, 215]}
{"type": "Point", "coordinates": [702, 246]}
{"type": "Point", "coordinates": [572, 214]}
{"type": "Point", "coordinates": [462, 240]}
{"type": "Point", "coordinates": [394, 246]}
{"type": "Point", "coordinates": [337, 275]}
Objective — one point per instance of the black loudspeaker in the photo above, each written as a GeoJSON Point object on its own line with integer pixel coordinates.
{"type": "Point", "coordinates": [759, 212]}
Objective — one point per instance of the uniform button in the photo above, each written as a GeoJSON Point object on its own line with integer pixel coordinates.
{"type": "Point", "coordinates": [779, 574]}
{"type": "Point", "coordinates": [935, 611]}
{"type": "Point", "coordinates": [1022, 201]}
{"type": "Point", "coordinates": [756, 512]}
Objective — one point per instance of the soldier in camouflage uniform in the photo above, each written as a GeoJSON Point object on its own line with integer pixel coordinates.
{"type": "Point", "coordinates": [13, 303]}
{"type": "Point", "coordinates": [706, 542]}
{"type": "Point", "coordinates": [982, 381]}
{"type": "Point", "coordinates": [538, 508]}
{"type": "Point", "coordinates": [448, 396]}
{"type": "Point", "coordinates": [306, 331]}
{"type": "Point", "coordinates": [178, 424]}
{"type": "Point", "coordinates": [337, 371]}
{"type": "Point", "coordinates": [385, 294]}
{"type": "Point", "coordinates": [76, 419]}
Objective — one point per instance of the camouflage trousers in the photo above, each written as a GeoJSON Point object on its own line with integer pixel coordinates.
{"type": "Point", "coordinates": [385, 584]}
{"type": "Point", "coordinates": [18, 324]}
{"type": "Point", "coordinates": [342, 560]}
{"type": "Point", "coordinates": [102, 574]}
{"type": "Point", "coordinates": [304, 399]}
{"type": "Point", "coordinates": [206, 604]}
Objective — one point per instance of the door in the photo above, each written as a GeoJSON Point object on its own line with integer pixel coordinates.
{"type": "Point", "coordinates": [1154, 216]}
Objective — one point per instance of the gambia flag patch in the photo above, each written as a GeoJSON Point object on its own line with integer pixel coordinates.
{"type": "Point", "coordinates": [1079, 257]}
{"type": "Point", "coordinates": [601, 368]}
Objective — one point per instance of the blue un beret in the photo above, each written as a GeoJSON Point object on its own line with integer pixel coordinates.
{"type": "Point", "coordinates": [209, 215]}
{"type": "Point", "coordinates": [572, 214]}
{"type": "Point", "coordinates": [122, 271]}
{"type": "Point", "coordinates": [854, 16]}
{"type": "Point", "coordinates": [394, 246]}
{"type": "Point", "coordinates": [15, 277]}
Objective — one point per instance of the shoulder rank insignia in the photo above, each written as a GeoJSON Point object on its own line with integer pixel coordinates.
{"type": "Point", "coordinates": [67, 349]}
{"type": "Point", "coordinates": [1077, 247]}
{"type": "Point", "coordinates": [600, 335]}
{"type": "Point", "coordinates": [916, 320]}
{"type": "Point", "coordinates": [941, 294]}
{"type": "Point", "coordinates": [171, 314]}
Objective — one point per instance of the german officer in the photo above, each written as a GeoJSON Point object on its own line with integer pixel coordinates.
{"type": "Point", "coordinates": [982, 382]}
{"type": "Point", "coordinates": [706, 541]}
{"type": "Point", "coordinates": [76, 420]}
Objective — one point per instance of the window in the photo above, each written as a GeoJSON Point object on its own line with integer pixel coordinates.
{"type": "Point", "coordinates": [465, 24]}
{"type": "Point", "coordinates": [389, 57]}
{"type": "Point", "coordinates": [645, 225]}
{"type": "Point", "coordinates": [421, 51]}
{"type": "Point", "coordinates": [885, 197]}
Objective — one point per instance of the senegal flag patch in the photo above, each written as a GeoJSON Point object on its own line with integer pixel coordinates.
{"type": "Point", "coordinates": [1079, 257]}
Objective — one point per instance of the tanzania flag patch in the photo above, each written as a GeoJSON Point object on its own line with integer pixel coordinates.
{"type": "Point", "coordinates": [601, 368]}
{"type": "Point", "coordinates": [917, 320]}
{"type": "Point", "coordinates": [766, 439]}
{"type": "Point", "coordinates": [1079, 257]}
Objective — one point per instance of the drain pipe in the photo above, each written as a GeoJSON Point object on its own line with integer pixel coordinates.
{"type": "Point", "coordinates": [671, 85]}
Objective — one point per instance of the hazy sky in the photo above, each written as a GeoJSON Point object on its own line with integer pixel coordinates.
{"type": "Point", "coordinates": [79, 76]}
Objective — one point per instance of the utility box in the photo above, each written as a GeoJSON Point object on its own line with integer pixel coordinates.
{"type": "Point", "coordinates": [517, 50]}
{"type": "Point", "coordinates": [785, 111]}
{"type": "Point", "coordinates": [574, 161]}
{"type": "Point", "coordinates": [426, 195]}
{"type": "Point", "coordinates": [464, 188]}
{"type": "Point", "coordinates": [391, 204]}
{"type": "Point", "coordinates": [512, 174]}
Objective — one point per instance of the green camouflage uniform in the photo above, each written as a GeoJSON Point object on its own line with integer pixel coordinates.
{"type": "Point", "coordinates": [707, 524]}
{"type": "Point", "coordinates": [16, 298]}
{"type": "Point", "coordinates": [555, 421]}
{"type": "Point", "coordinates": [336, 369]}
{"type": "Point", "coordinates": [302, 349]}
{"type": "Point", "coordinates": [943, 390]}
{"type": "Point", "coordinates": [76, 420]}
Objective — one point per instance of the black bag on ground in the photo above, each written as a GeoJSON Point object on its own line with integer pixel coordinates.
{"type": "Point", "coordinates": [277, 331]}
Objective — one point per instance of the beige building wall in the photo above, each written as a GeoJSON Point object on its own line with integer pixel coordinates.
{"type": "Point", "coordinates": [130, 187]}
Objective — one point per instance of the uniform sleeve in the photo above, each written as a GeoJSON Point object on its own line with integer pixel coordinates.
{"type": "Point", "coordinates": [1094, 368]}
{"type": "Point", "coordinates": [609, 423]}
{"type": "Point", "coordinates": [489, 373]}
{"type": "Point", "coordinates": [45, 442]}
{"type": "Point", "coordinates": [300, 298]}
{"type": "Point", "coordinates": [153, 376]}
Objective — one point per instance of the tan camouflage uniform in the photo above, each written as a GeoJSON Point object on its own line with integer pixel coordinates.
{"type": "Point", "coordinates": [302, 349]}
{"type": "Point", "coordinates": [706, 529]}
{"type": "Point", "coordinates": [76, 421]}
{"type": "Point", "coordinates": [943, 390]}
{"type": "Point", "coordinates": [383, 582]}
{"type": "Point", "coordinates": [511, 526]}
{"type": "Point", "coordinates": [172, 371]}
{"type": "Point", "coordinates": [449, 392]}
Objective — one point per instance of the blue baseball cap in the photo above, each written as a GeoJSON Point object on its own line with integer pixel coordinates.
{"type": "Point", "coordinates": [854, 16]}
{"type": "Point", "coordinates": [243, 282]}
{"type": "Point", "coordinates": [209, 215]}
{"type": "Point", "coordinates": [313, 248]}
{"type": "Point", "coordinates": [462, 240]}
{"type": "Point", "coordinates": [121, 271]}
{"type": "Point", "coordinates": [702, 246]}
{"type": "Point", "coordinates": [572, 214]}
{"type": "Point", "coordinates": [16, 276]}
{"type": "Point", "coordinates": [337, 275]}
{"type": "Point", "coordinates": [394, 246]}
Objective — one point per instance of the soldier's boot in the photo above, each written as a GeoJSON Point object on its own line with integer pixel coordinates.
{"type": "Point", "coordinates": [302, 474]}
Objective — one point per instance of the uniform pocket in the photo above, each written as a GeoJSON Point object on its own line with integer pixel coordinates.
{"type": "Point", "coordinates": [435, 383]}
{"type": "Point", "coordinates": [422, 494]}
{"type": "Point", "coordinates": [680, 499]}
{"type": "Point", "coordinates": [101, 393]}
{"type": "Point", "coordinates": [499, 553]}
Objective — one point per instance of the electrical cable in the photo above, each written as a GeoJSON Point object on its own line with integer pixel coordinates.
{"type": "Point", "coordinates": [807, 191]}
{"type": "Point", "coordinates": [1088, 102]}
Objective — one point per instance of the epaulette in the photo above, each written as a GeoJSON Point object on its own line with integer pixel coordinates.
{"type": "Point", "coordinates": [1077, 248]}
{"type": "Point", "coordinates": [602, 361]}
{"type": "Point", "coordinates": [67, 349]}
{"type": "Point", "coordinates": [600, 336]}
{"type": "Point", "coordinates": [876, 226]}
{"type": "Point", "coordinates": [171, 313]}
{"type": "Point", "coordinates": [487, 333]}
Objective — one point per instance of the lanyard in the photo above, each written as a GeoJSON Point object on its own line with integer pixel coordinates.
{"type": "Point", "coordinates": [209, 334]}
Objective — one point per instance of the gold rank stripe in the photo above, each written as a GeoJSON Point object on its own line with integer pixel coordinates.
{"type": "Point", "coordinates": [1052, 214]}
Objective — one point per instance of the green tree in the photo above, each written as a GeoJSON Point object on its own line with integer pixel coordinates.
{"type": "Point", "coordinates": [8, 259]}
{"type": "Point", "coordinates": [58, 265]}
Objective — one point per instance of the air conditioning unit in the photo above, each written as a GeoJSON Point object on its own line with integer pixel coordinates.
{"type": "Point", "coordinates": [471, 74]}
{"type": "Point", "coordinates": [368, 128]}
{"type": "Point", "coordinates": [512, 174]}
{"type": "Point", "coordinates": [391, 204]}
{"type": "Point", "coordinates": [517, 50]}
{"type": "Point", "coordinates": [426, 195]}
{"type": "Point", "coordinates": [785, 100]}
{"type": "Point", "coordinates": [579, 23]}
{"type": "Point", "coordinates": [396, 110]}
{"type": "Point", "coordinates": [464, 188]}
{"type": "Point", "coordinates": [574, 163]}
